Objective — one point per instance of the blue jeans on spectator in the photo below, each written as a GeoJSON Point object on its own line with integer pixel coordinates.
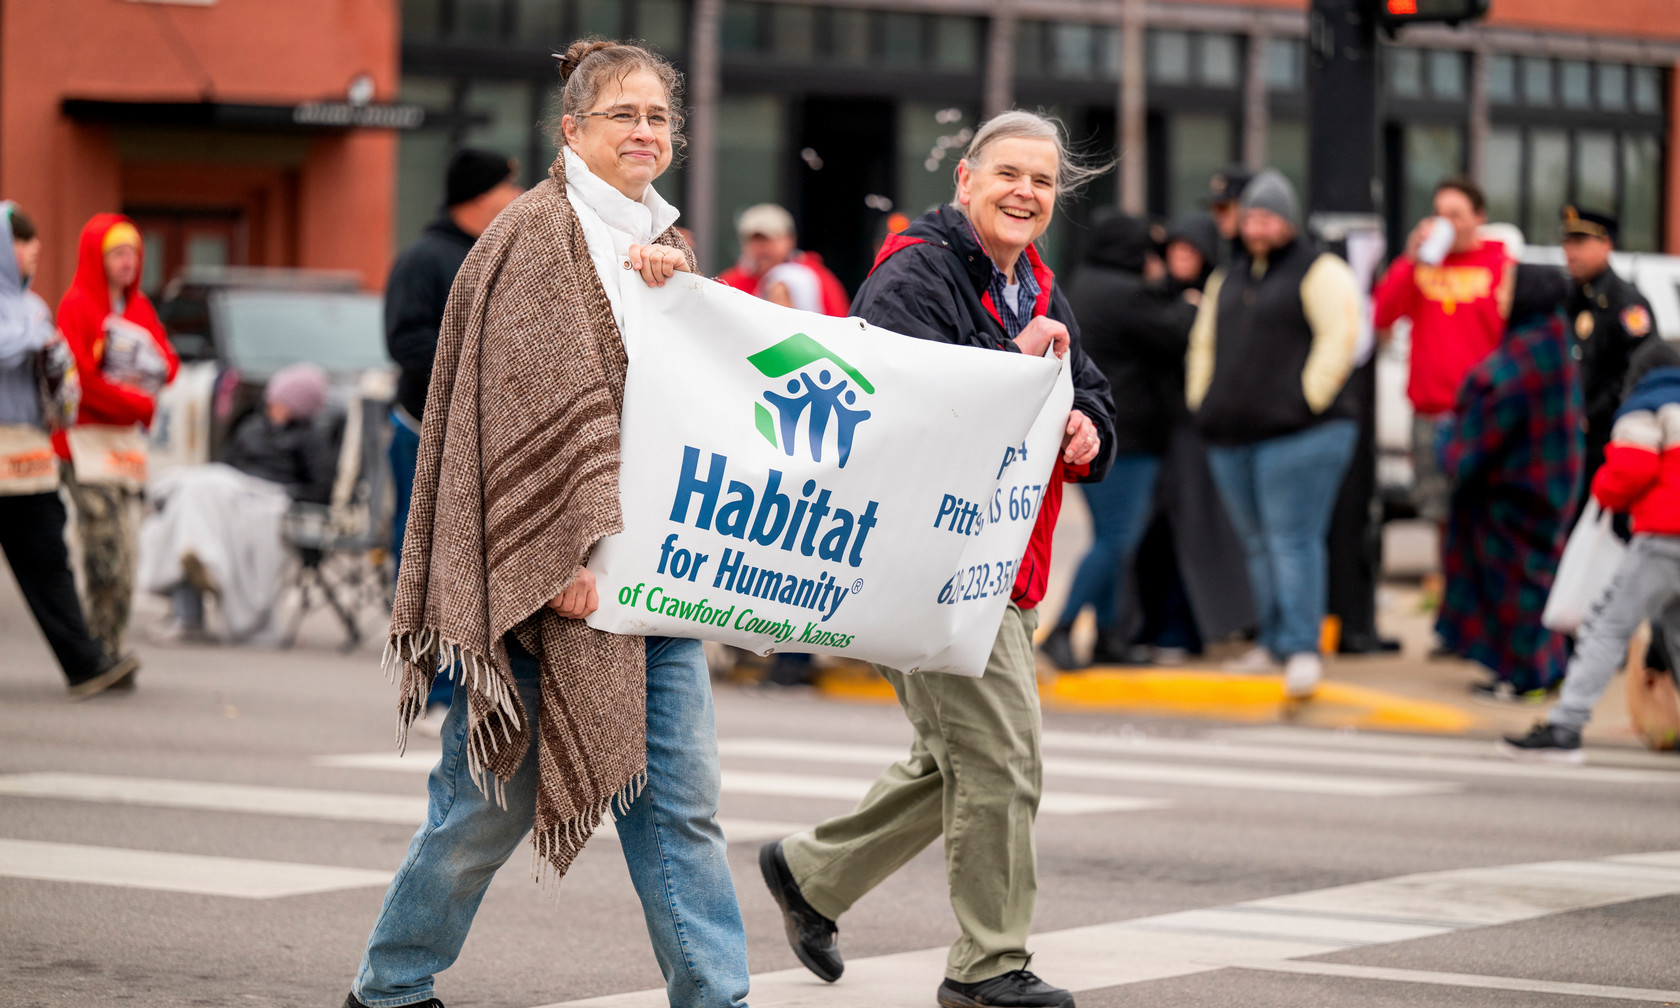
{"type": "Point", "coordinates": [670, 838]}
{"type": "Point", "coordinates": [405, 454]}
{"type": "Point", "coordinates": [1280, 494]}
{"type": "Point", "coordinates": [1120, 507]}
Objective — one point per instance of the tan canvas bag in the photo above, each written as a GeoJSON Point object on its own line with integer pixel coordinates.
{"type": "Point", "coordinates": [27, 463]}
{"type": "Point", "coordinates": [108, 455]}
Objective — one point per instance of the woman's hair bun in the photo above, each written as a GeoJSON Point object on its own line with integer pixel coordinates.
{"type": "Point", "coordinates": [577, 52]}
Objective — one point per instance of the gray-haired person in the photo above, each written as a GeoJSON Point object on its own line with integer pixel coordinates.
{"type": "Point", "coordinates": [967, 273]}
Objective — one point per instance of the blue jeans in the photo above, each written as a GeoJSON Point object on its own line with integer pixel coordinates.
{"type": "Point", "coordinates": [405, 455]}
{"type": "Point", "coordinates": [1120, 509]}
{"type": "Point", "coordinates": [670, 838]}
{"type": "Point", "coordinates": [1280, 494]}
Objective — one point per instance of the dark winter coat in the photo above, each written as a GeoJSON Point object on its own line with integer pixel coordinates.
{"type": "Point", "coordinates": [298, 456]}
{"type": "Point", "coordinates": [1135, 332]}
{"type": "Point", "coordinates": [933, 282]}
{"type": "Point", "coordinates": [415, 295]}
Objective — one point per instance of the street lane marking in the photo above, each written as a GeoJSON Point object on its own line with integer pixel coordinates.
{"type": "Point", "coordinates": [1291, 927]}
{"type": "Point", "coordinates": [186, 873]}
{"type": "Point", "coordinates": [1492, 765]}
{"type": "Point", "coordinates": [1128, 770]}
{"type": "Point", "coordinates": [256, 799]}
{"type": "Point", "coordinates": [778, 785]}
{"type": "Point", "coordinates": [1357, 972]}
{"type": "Point", "coordinates": [1344, 741]}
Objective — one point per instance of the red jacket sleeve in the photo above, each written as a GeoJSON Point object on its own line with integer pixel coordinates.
{"type": "Point", "coordinates": [1395, 294]}
{"type": "Point", "coordinates": [102, 401]}
{"type": "Point", "coordinates": [1628, 471]}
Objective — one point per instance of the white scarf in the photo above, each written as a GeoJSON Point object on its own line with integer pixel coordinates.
{"type": "Point", "coordinates": [612, 222]}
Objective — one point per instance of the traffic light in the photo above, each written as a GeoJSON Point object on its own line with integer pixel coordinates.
{"type": "Point", "coordinates": [1393, 14]}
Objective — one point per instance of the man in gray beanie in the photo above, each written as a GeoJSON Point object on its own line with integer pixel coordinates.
{"type": "Point", "coordinates": [1273, 344]}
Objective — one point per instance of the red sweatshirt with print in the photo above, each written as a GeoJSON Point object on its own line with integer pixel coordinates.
{"type": "Point", "coordinates": [1454, 308]}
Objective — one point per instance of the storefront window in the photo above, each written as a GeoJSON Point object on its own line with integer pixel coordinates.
{"type": "Point", "coordinates": [1169, 57]}
{"type": "Point", "coordinates": [1502, 174]}
{"type": "Point", "coordinates": [738, 28]}
{"type": "Point", "coordinates": [903, 37]}
{"type": "Point", "coordinates": [1432, 154]}
{"type": "Point", "coordinates": [1548, 183]}
{"type": "Point", "coordinates": [957, 43]}
{"type": "Point", "coordinates": [1642, 185]}
{"type": "Point", "coordinates": [793, 33]}
{"type": "Point", "coordinates": [1595, 170]}
{"type": "Point", "coordinates": [1198, 146]}
{"type": "Point", "coordinates": [850, 36]}
{"type": "Point", "coordinates": [421, 19]}
{"type": "Point", "coordinates": [1612, 87]}
{"type": "Point", "coordinates": [1647, 90]}
{"type": "Point", "coordinates": [661, 24]}
{"type": "Point", "coordinates": [750, 135]}
{"type": "Point", "coordinates": [1286, 150]}
{"type": "Point", "coordinates": [422, 156]}
{"type": "Point", "coordinates": [1446, 74]}
{"type": "Point", "coordinates": [501, 120]}
{"type": "Point", "coordinates": [1575, 84]}
{"type": "Point", "coordinates": [537, 21]}
{"type": "Point", "coordinates": [478, 20]}
{"type": "Point", "coordinates": [1285, 65]}
{"type": "Point", "coordinates": [1502, 80]}
{"type": "Point", "coordinates": [1221, 62]}
{"type": "Point", "coordinates": [1405, 73]}
{"type": "Point", "coordinates": [1073, 50]}
{"type": "Point", "coordinates": [1029, 48]}
{"type": "Point", "coordinates": [1110, 56]}
{"type": "Point", "coordinates": [931, 139]}
{"type": "Point", "coordinates": [600, 17]}
{"type": "Point", "coordinates": [1537, 80]}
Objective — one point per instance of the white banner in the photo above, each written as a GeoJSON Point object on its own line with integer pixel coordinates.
{"type": "Point", "coordinates": [794, 482]}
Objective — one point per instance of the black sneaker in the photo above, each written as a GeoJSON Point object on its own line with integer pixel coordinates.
{"type": "Point", "coordinates": [119, 675]}
{"type": "Point", "coordinates": [351, 1002]}
{"type": "Point", "coordinates": [812, 936]}
{"type": "Point", "coordinates": [1058, 647]}
{"type": "Point", "coordinates": [1544, 743]}
{"type": "Point", "coordinates": [1015, 989]}
{"type": "Point", "coordinates": [1501, 693]}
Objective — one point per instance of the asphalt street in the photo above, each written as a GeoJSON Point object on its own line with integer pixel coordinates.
{"type": "Point", "coordinates": [223, 836]}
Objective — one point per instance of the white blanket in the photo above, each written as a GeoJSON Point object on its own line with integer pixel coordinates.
{"type": "Point", "coordinates": [232, 523]}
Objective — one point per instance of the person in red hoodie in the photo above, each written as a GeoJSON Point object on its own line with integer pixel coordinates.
{"type": "Point", "coordinates": [773, 267]}
{"type": "Point", "coordinates": [124, 360]}
{"type": "Point", "coordinates": [1640, 477]}
{"type": "Point", "coordinates": [1453, 306]}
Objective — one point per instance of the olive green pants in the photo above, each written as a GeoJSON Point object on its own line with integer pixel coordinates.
{"type": "Point", "coordinates": [974, 774]}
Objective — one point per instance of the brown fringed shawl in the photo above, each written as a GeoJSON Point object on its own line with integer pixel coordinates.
{"type": "Point", "coordinates": [516, 482]}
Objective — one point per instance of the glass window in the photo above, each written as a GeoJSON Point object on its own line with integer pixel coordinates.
{"type": "Point", "coordinates": [903, 39]}
{"type": "Point", "coordinates": [956, 43]}
{"type": "Point", "coordinates": [1405, 73]}
{"type": "Point", "coordinates": [1612, 87]}
{"type": "Point", "coordinates": [421, 19]}
{"type": "Point", "coordinates": [600, 17]}
{"type": "Point", "coordinates": [1595, 170]}
{"type": "Point", "coordinates": [849, 36]}
{"type": "Point", "coordinates": [500, 118]}
{"type": "Point", "coordinates": [1286, 150]}
{"type": "Point", "coordinates": [422, 156]}
{"type": "Point", "coordinates": [1029, 48]}
{"type": "Point", "coordinates": [1641, 191]}
{"type": "Point", "coordinates": [1502, 80]}
{"type": "Point", "coordinates": [267, 330]}
{"type": "Point", "coordinates": [1169, 57]}
{"type": "Point", "coordinates": [1221, 61]}
{"type": "Point", "coordinates": [1198, 146]}
{"type": "Point", "coordinates": [539, 21]}
{"type": "Point", "coordinates": [661, 24]}
{"type": "Point", "coordinates": [1575, 83]}
{"type": "Point", "coordinates": [1647, 89]}
{"type": "Point", "coordinates": [1446, 74]}
{"type": "Point", "coordinates": [479, 20]}
{"type": "Point", "coordinates": [739, 27]}
{"type": "Point", "coordinates": [749, 143]}
{"type": "Point", "coordinates": [1502, 174]}
{"type": "Point", "coordinates": [793, 35]}
{"type": "Point", "coordinates": [1110, 56]}
{"type": "Point", "coordinates": [1537, 80]}
{"type": "Point", "coordinates": [1073, 50]}
{"type": "Point", "coordinates": [1548, 183]}
{"type": "Point", "coordinates": [1285, 64]}
{"type": "Point", "coordinates": [1432, 154]}
{"type": "Point", "coordinates": [930, 141]}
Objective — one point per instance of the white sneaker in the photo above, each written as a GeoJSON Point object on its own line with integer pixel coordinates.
{"type": "Point", "coordinates": [430, 724]}
{"type": "Point", "coordinates": [1170, 656]}
{"type": "Point", "coordinates": [1301, 675]}
{"type": "Point", "coordinates": [1255, 659]}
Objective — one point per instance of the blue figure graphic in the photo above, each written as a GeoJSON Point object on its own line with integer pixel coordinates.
{"type": "Point", "coordinates": [824, 400]}
{"type": "Point", "coordinates": [847, 421]}
{"type": "Point", "coordinates": [789, 408]}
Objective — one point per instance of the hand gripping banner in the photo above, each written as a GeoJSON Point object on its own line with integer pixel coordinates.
{"type": "Point", "coordinates": [794, 482]}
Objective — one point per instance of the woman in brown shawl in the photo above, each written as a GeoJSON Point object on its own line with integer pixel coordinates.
{"type": "Point", "coordinates": [554, 724]}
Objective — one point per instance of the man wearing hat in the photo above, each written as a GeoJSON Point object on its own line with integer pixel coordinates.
{"type": "Point", "coordinates": [478, 186]}
{"type": "Point", "coordinates": [1609, 317]}
{"type": "Point", "coordinates": [1225, 192]}
{"type": "Point", "coordinates": [774, 268]}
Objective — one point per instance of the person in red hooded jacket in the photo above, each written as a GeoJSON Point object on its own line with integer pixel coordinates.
{"type": "Point", "coordinates": [124, 360]}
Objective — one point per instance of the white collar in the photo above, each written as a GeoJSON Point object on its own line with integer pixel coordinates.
{"type": "Point", "coordinates": [642, 220]}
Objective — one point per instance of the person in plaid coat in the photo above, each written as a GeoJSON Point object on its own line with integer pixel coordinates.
{"type": "Point", "coordinates": [1513, 450]}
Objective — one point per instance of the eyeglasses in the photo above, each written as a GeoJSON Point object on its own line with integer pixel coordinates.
{"type": "Point", "coordinates": [624, 119]}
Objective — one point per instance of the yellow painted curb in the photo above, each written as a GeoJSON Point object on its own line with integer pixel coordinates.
{"type": "Point", "coordinates": [1202, 694]}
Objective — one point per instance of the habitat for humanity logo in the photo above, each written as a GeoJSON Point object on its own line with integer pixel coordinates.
{"type": "Point", "coordinates": [828, 396]}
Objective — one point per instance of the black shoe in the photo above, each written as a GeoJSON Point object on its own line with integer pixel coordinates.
{"type": "Point", "coordinates": [811, 935]}
{"type": "Point", "coordinates": [1544, 743]}
{"type": "Point", "coordinates": [1368, 644]}
{"type": "Point", "coordinates": [1111, 648]}
{"type": "Point", "coordinates": [351, 1002]}
{"type": "Point", "coordinates": [116, 676]}
{"type": "Point", "coordinates": [1058, 647]}
{"type": "Point", "coordinates": [1499, 693]}
{"type": "Point", "coordinates": [1015, 989]}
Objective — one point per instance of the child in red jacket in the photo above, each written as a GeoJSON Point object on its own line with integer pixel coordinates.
{"type": "Point", "coordinates": [1640, 477]}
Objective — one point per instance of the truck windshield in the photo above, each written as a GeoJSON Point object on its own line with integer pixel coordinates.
{"type": "Point", "coordinates": [263, 331]}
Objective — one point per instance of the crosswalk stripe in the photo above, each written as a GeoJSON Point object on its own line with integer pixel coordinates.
{"type": "Point", "coordinates": [1471, 980]}
{"type": "Point", "coordinates": [186, 873]}
{"type": "Point", "coordinates": [1250, 935]}
{"type": "Point", "coordinates": [817, 786]}
{"type": "Point", "coordinates": [1418, 745]}
{"type": "Point", "coordinates": [1127, 770]}
{"type": "Point", "coordinates": [255, 799]}
{"type": "Point", "coordinates": [1492, 765]}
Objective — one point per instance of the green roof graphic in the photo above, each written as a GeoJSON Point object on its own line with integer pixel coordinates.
{"type": "Point", "coordinates": [800, 350]}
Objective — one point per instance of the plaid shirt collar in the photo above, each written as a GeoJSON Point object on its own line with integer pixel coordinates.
{"type": "Point", "coordinates": [1013, 316]}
